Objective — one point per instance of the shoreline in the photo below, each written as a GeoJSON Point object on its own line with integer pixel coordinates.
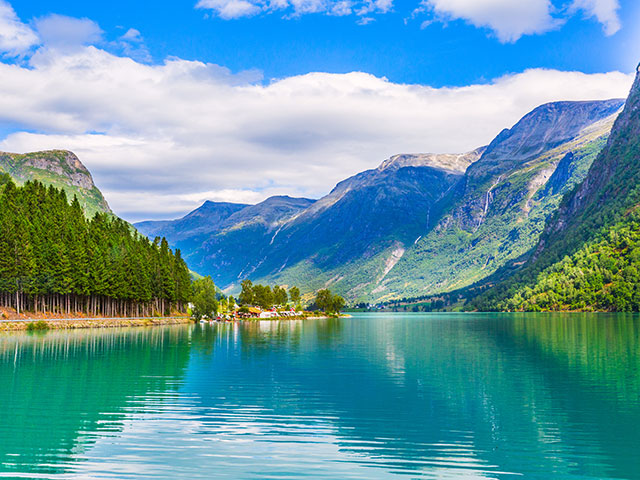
{"type": "Point", "coordinates": [77, 323]}
{"type": "Point", "coordinates": [19, 325]}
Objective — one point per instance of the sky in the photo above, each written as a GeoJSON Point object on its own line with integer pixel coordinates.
{"type": "Point", "coordinates": [170, 104]}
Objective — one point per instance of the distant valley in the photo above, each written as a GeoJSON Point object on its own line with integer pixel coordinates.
{"type": "Point", "coordinates": [417, 225]}
{"type": "Point", "coordinates": [495, 226]}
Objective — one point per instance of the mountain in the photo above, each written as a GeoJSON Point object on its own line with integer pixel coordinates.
{"type": "Point", "coordinates": [589, 253]}
{"type": "Point", "coordinates": [417, 224]}
{"type": "Point", "coordinates": [59, 168]}
{"type": "Point", "coordinates": [223, 239]}
{"type": "Point", "coordinates": [362, 224]}
{"type": "Point", "coordinates": [202, 221]}
{"type": "Point", "coordinates": [500, 207]}
{"type": "Point", "coordinates": [350, 239]}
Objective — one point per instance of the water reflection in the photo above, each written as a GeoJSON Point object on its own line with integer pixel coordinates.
{"type": "Point", "coordinates": [63, 390]}
{"type": "Point", "coordinates": [430, 396]}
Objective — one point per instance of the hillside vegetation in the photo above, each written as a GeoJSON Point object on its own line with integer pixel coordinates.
{"type": "Point", "coordinates": [603, 275]}
{"type": "Point", "coordinates": [55, 260]}
{"type": "Point", "coordinates": [587, 258]}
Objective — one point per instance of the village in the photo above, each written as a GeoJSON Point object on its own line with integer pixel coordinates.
{"type": "Point", "coordinates": [258, 302]}
{"type": "Point", "coordinates": [246, 312]}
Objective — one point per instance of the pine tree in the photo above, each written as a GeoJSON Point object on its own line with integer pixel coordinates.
{"type": "Point", "coordinates": [53, 259]}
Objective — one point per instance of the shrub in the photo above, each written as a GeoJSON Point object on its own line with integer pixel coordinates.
{"type": "Point", "coordinates": [39, 325]}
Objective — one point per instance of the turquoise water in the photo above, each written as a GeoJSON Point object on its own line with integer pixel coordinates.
{"type": "Point", "coordinates": [376, 396]}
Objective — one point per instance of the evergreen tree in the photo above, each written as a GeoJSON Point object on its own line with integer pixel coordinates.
{"type": "Point", "coordinates": [53, 259]}
{"type": "Point", "coordinates": [294, 296]}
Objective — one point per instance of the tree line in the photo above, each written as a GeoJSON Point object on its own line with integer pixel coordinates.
{"type": "Point", "coordinates": [266, 297]}
{"type": "Point", "coordinates": [55, 260]}
{"type": "Point", "coordinates": [329, 302]}
{"type": "Point", "coordinates": [602, 275]}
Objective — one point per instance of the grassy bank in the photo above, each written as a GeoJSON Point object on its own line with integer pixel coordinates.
{"type": "Point", "coordinates": [59, 324]}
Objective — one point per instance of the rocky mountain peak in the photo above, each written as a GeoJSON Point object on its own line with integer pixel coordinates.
{"type": "Point", "coordinates": [451, 162]}
{"type": "Point", "coordinates": [60, 168]}
{"type": "Point", "coordinates": [542, 129]}
{"type": "Point", "coordinates": [614, 172]}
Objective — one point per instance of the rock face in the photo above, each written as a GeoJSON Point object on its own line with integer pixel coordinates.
{"type": "Point", "coordinates": [608, 190]}
{"type": "Point", "coordinates": [448, 162]}
{"type": "Point", "coordinates": [416, 225]}
{"type": "Point", "coordinates": [585, 258]}
{"type": "Point", "coordinates": [59, 168]}
{"type": "Point", "coordinates": [359, 224]}
{"type": "Point", "coordinates": [542, 130]}
{"type": "Point", "coordinates": [500, 207]}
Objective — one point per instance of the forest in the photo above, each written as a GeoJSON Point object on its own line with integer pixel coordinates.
{"type": "Point", "coordinates": [54, 260]}
{"type": "Point", "coordinates": [602, 275]}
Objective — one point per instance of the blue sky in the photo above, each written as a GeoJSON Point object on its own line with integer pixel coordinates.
{"type": "Point", "coordinates": [263, 97]}
{"type": "Point", "coordinates": [394, 45]}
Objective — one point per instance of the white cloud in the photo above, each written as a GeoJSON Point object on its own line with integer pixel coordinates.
{"type": "Point", "coordinates": [230, 9]}
{"type": "Point", "coordinates": [15, 37]}
{"type": "Point", "coordinates": [605, 11]}
{"type": "Point", "coordinates": [132, 35]}
{"type": "Point", "coordinates": [341, 8]}
{"type": "Point", "coordinates": [365, 20]}
{"type": "Point", "coordinates": [376, 6]}
{"type": "Point", "coordinates": [509, 19]}
{"type": "Point", "coordinates": [132, 45]}
{"type": "Point", "coordinates": [188, 128]}
{"type": "Point", "coordinates": [67, 33]}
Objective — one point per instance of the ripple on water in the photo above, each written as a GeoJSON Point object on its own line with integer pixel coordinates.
{"type": "Point", "coordinates": [372, 397]}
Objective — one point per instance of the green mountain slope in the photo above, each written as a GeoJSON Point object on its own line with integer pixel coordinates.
{"type": "Point", "coordinates": [416, 225]}
{"type": "Point", "coordinates": [506, 199]}
{"type": "Point", "coordinates": [59, 168]}
{"type": "Point", "coordinates": [347, 240]}
{"type": "Point", "coordinates": [351, 239]}
{"type": "Point", "coordinates": [588, 255]}
{"type": "Point", "coordinates": [603, 275]}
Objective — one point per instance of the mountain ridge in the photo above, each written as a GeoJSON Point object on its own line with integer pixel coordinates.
{"type": "Point", "coordinates": [419, 223]}
{"type": "Point", "coordinates": [60, 168]}
{"type": "Point", "coordinates": [587, 257]}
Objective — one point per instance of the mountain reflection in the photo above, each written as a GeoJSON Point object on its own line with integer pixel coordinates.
{"type": "Point", "coordinates": [435, 396]}
{"type": "Point", "coordinates": [492, 394]}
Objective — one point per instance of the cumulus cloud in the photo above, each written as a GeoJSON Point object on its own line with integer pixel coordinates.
{"type": "Point", "coordinates": [230, 9]}
{"type": "Point", "coordinates": [509, 19]}
{"type": "Point", "coordinates": [605, 11]}
{"type": "Point", "coordinates": [183, 131]}
{"type": "Point", "coordinates": [15, 37]}
{"type": "Point", "coordinates": [132, 45]}
{"type": "Point", "coordinates": [67, 33]}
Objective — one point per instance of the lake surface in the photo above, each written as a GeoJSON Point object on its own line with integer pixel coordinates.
{"type": "Point", "coordinates": [376, 396]}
